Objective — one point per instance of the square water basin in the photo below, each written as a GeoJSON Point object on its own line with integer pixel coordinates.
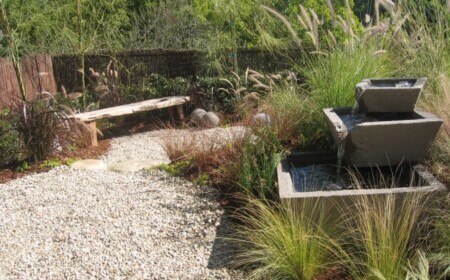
{"type": "Point", "coordinates": [382, 139]}
{"type": "Point", "coordinates": [313, 175]}
{"type": "Point", "coordinates": [388, 95]}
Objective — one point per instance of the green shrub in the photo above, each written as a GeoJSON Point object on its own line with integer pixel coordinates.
{"type": "Point", "coordinates": [166, 86]}
{"type": "Point", "coordinates": [9, 140]}
{"type": "Point", "coordinates": [211, 98]}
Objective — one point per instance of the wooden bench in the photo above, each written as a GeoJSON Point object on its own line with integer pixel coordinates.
{"type": "Point", "coordinates": [148, 105]}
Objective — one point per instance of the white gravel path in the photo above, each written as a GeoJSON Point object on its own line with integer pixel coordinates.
{"type": "Point", "coordinates": [74, 224]}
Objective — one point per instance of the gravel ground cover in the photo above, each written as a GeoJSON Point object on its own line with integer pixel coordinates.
{"type": "Point", "coordinates": [75, 224]}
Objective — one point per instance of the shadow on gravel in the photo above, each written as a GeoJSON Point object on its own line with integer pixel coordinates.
{"type": "Point", "coordinates": [223, 250]}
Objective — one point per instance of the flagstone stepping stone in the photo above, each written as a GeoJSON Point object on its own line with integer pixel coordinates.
{"type": "Point", "coordinates": [133, 165]}
{"type": "Point", "coordinates": [90, 164]}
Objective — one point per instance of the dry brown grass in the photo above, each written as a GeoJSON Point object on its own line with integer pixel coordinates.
{"type": "Point", "coordinates": [440, 153]}
{"type": "Point", "coordinates": [215, 152]}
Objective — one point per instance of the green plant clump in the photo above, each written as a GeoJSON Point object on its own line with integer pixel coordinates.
{"type": "Point", "coordinates": [257, 170]}
{"type": "Point", "coordinates": [9, 140]}
{"type": "Point", "coordinates": [50, 163]}
{"type": "Point", "coordinates": [177, 168]}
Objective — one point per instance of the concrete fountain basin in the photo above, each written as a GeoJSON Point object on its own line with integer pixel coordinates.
{"type": "Point", "coordinates": [388, 95]}
{"type": "Point", "coordinates": [382, 139]}
{"type": "Point", "coordinates": [304, 176]}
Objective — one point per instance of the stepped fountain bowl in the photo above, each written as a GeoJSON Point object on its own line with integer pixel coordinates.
{"type": "Point", "coordinates": [388, 95]}
{"type": "Point", "coordinates": [382, 139]}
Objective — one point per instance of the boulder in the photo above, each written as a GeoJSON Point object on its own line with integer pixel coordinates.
{"type": "Point", "coordinates": [210, 119]}
{"type": "Point", "coordinates": [196, 116]}
{"type": "Point", "coordinates": [262, 118]}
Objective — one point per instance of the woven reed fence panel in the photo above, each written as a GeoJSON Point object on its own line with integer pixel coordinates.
{"type": "Point", "coordinates": [136, 65]}
{"type": "Point", "coordinates": [38, 77]}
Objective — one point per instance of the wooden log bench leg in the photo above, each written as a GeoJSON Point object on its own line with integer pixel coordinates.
{"type": "Point", "coordinates": [93, 133]}
{"type": "Point", "coordinates": [171, 115]}
{"type": "Point", "coordinates": [180, 112]}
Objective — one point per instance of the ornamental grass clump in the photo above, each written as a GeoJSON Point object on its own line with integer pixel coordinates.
{"type": "Point", "coordinates": [43, 126]}
{"type": "Point", "coordinates": [384, 232]}
{"type": "Point", "coordinates": [288, 240]}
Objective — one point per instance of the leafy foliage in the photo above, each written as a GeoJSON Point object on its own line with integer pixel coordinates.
{"type": "Point", "coordinates": [257, 169]}
{"type": "Point", "coordinates": [9, 140]}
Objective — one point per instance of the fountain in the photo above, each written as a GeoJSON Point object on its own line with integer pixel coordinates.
{"type": "Point", "coordinates": [383, 138]}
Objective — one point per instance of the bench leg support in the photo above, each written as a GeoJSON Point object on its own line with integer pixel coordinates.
{"type": "Point", "coordinates": [180, 112]}
{"type": "Point", "coordinates": [93, 133]}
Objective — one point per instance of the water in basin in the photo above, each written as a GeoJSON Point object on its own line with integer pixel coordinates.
{"type": "Point", "coordinates": [393, 83]}
{"type": "Point", "coordinates": [324, 177]}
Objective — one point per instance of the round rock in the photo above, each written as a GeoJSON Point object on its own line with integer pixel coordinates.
{"type": "Point", "coordinates": [197, 116]}
{"type": "Point", "coordinates": [210, 119]}
{"type": "Point", "coordinates": [89, 164]}
{"type": "Point", "coordinates": [262, 118]}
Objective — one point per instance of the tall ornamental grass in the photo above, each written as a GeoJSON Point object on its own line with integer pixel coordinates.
{"type": "Point", "coordinates": [288, 240]}
{"type": "Point", "coordinates": [384, 231]}
{"type": "Point", "coordinates": [331, 77]}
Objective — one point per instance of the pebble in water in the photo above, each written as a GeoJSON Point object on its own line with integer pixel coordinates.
{"type": "Point", "coordinates": [403, 84]}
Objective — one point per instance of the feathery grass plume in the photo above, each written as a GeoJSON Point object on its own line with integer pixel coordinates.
{"type": "Point", "coordinates": [421, 269]}
{"type": "Point", "coordinates": [347, 28]}
{"type": "Point", "coordinates": [377, 12]}
{"type": "Point", "coordinates": [311, 24]}
{"type": "Point", "coordinates": [389, 6]}
{"type": "Point", "coordinates": [288, 25]}
{"type": "Point", "coordinates": [350, 21]}
{"type": "Point", "coordinates": [332, 12]}
{"type": "Point", "coordinates": [332, 38]}
{"type": "Point", "coordinates": [305, 18]}
{"type": "Point", "coordinates": [385, 230]}
{"type": "Point", "coordinates": [288, 240]}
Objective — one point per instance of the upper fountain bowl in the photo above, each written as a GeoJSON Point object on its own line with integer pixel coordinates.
{"type": "Point", "coordinates": [388, 95]}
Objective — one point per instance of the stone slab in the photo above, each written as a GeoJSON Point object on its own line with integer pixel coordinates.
{"type": "Point", "coordinates": [132, 165]}
{"type": "Point", "coordinates": [89, 164]}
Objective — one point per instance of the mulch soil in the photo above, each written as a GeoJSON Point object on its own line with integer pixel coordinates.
{"type": "Point", "coordinates": [128, 127]}
{"type": "Point", "coordinates": [11, 172]}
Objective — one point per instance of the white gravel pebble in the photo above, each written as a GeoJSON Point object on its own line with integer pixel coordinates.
{"type": "Point", "coordinates": [77, 224]}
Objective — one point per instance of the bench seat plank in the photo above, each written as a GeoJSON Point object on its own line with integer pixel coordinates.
{"type": "Point", "coordinates": [132, 108]}
{"type": "Point", "coordinates": [167, 102]}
